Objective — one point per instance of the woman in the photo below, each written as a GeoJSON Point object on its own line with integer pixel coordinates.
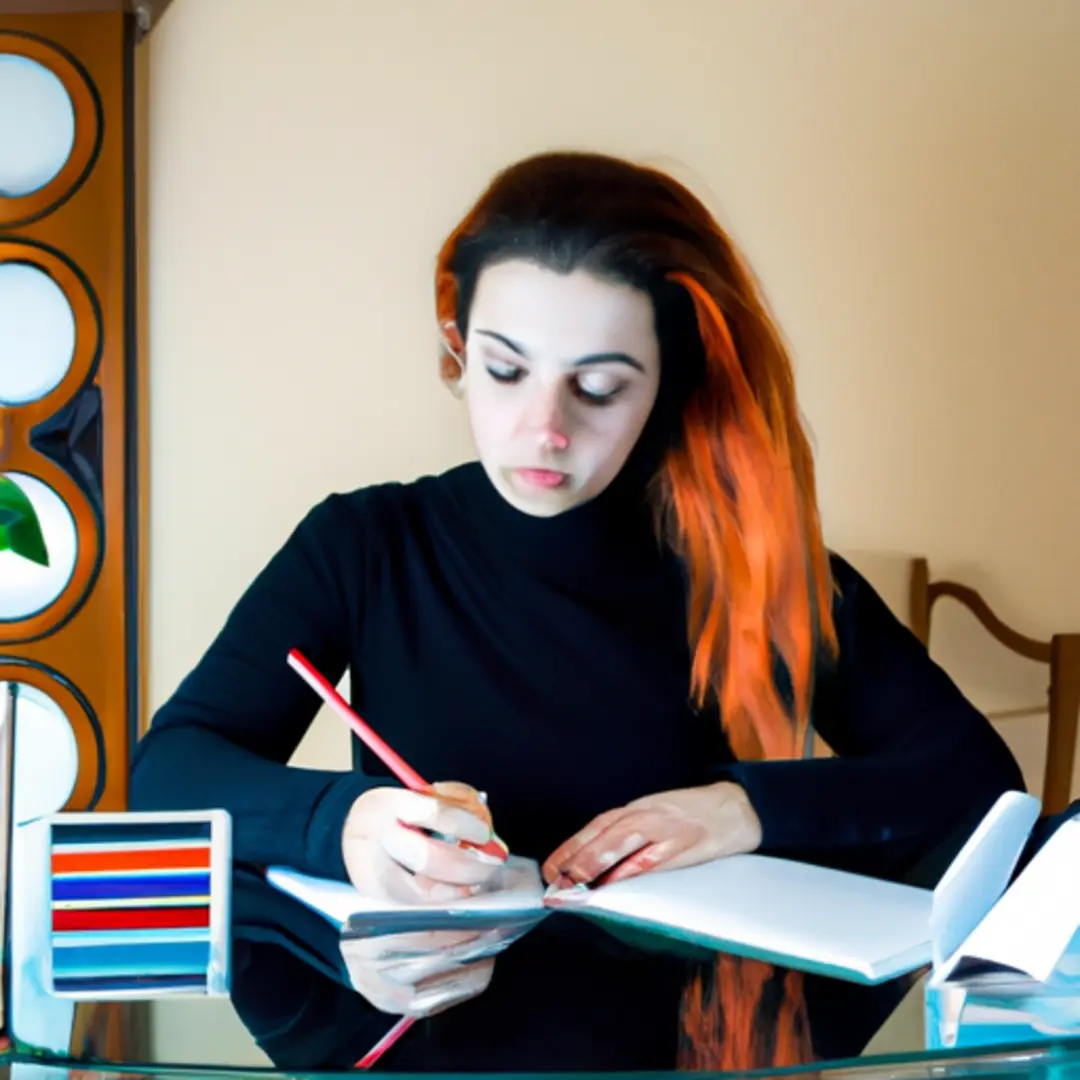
{"type": "Point", "coordinates": [617, 623]}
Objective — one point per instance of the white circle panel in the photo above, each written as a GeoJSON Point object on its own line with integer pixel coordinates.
{"type": "Point", "coordinates": [46, 753]}
{"type": "Point", "coordinates": [37, 125]}
{"type": "Point", "coordinates": [37, 333]}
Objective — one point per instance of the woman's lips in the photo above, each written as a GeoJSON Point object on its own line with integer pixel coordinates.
{"type": "Point", "coordinates": [542, 478]}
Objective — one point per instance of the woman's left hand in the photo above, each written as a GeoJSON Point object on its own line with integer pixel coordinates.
{"type": "Point", "coordinates": [659, 832]}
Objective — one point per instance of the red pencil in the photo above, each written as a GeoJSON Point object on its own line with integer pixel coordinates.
{"type": "Point", "coordinates": [385, 1042]}
{"type": "Point", "coordinates": [393, 761]}
{"type": "Point", "coordinates": [406, 774]}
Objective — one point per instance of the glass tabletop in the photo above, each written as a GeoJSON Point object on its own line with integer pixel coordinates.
{"type": "Point", "coordinates": [1052, 1061]}
{"type": "Point", "coordinates": [983, 1024]}
{"type": "Point", "coordinates": [210, 1042]}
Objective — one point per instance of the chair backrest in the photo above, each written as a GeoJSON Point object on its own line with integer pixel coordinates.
{"type": "Point", "coordinates": [1061, 654]}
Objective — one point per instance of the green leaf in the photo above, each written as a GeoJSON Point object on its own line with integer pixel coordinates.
{"type": "Point", "coordinates": [20, 530]}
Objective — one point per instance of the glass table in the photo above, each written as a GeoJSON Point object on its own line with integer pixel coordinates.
{"type": "Point", "coordinates": [53, 1036]}
{"type": "Point", "coordinates": [1048, 1061]}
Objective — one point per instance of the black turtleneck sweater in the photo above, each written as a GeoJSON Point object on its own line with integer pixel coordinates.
{"type": "Point", "coordinates": [544, 661]}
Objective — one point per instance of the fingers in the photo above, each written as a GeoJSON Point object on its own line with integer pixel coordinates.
{"type": "Point", "coordinates": [387, 949]}
{"type": "Point", "coordinates": [394, 849]}
{"type": "Point", "coordinates": [650, 857]}
{"type": "Point", "coordinates": [439, 815]}
{"type": "Point", "coordinates": [451, 989]}
{"type": "Point", "coordinates": [600, 845]}
{"type": "Point", "coordinates": [619, 841]}
{"type": "Point", "coordinates": [632, 842]}
{"type": "Point", "coordinates": [436, 859]}
{"type": "Point", "coordinates": [425, 998]}
{"type": "Point", "coordinates": [465, 797]}
{"type": "Point", "coordinates": [419, 974]}
{"type": "Point", "coordinates": [420, 969]}
{"type": "Point", "coordinates": [409, 958]}
{"type": "Point", "coordinates": [563, 855]}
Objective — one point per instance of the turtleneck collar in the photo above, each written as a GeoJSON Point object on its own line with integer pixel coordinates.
{"type": "Point", "coordinates": [587, 546]}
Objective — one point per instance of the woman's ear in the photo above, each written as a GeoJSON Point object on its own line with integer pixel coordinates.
{"type": "Point", "coordinates": [452, 339]}
{"type": "Point", "coordinates": [453, 358]}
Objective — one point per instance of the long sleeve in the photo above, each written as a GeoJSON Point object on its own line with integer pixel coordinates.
{"type": "Point", "coordinates": [225, 736]}
{"type": "Point", "coordinates": [916, 762]}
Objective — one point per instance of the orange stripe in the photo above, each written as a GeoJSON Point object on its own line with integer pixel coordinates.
{"type": "Point", "coordinates": [77, 862]}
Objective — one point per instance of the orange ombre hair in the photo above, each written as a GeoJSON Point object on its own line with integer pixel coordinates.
{"type": "Point", "coordinates": [730, 474]}
{"type": "Point", "coordinates": [742, 510]}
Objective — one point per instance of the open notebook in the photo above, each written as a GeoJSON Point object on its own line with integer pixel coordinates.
{"type": "Point", "coordinates": [800, 916]}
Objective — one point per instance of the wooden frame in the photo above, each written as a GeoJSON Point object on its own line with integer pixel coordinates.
{"type": "Point", "coordinates": [146, 12]}
{"type": "Point", "coordinates": [82, 438]}
{"type": "Point", "coordinates": [1061, 653]}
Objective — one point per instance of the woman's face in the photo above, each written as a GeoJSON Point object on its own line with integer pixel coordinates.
{"type": "Point", "coordinates": [561, 373]}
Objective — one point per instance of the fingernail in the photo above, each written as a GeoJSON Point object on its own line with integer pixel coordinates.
{"type": "Point", "coordinates": [482, 796]}
{"type": "Point", "coordinates": [465, 826]}
{"type": "Point", "coordinates": [482, 856]}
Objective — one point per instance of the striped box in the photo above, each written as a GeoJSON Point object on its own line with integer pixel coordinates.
{"type": "Point", "coordinates": [139, 905]}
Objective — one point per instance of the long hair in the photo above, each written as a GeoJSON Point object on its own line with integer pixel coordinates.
{"type": "Point", "coordinates": [732, 482]}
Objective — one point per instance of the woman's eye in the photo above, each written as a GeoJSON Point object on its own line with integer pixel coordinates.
{"type": "Point", "coordinates": [598, 389]}
{"type": "Point", "coordinates": [504, 373]}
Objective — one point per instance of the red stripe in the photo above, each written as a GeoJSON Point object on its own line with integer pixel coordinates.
{"type": "Point", "coordinates": [130, 918]}
{"type": "Point", "coordinates": [81, 862]}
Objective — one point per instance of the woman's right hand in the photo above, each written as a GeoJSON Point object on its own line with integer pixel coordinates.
{"type": "Point", "coordinates": [422, 973]}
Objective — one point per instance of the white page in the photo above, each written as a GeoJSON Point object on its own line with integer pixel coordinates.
{"type": "Point", "coordinates": [827, 917]}
{"type": "Point", "coordinates": [514, 888]}
{"type": "Point", "coordinates": [1032, 924]}
{"type": "Point", "coordinates": [980, 872]}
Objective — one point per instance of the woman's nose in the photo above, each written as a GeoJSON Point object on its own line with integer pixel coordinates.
{"type": "Point", "coordinates": [553, 439]}
{"type": "Point", "coordinates": [548, 422]}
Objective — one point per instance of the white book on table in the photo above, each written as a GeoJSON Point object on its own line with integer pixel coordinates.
{"type": "Point", "coordinates": [798, 915]}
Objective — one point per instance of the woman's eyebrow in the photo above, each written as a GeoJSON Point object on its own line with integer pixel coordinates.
{"type": "Point", "coordinates": [582, 361]}
{"type": "Point", "coordinates": [513, 346]}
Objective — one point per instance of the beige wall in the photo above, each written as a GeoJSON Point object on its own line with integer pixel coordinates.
{"type": "Point", "coordinates": [902, 175]}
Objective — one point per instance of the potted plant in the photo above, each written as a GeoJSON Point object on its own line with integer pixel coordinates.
{"type": "Point", "coordinates": [20, 530]}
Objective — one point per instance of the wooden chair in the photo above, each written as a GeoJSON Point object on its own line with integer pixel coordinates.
{"type": "Point", "coordinates": [1061, 653]}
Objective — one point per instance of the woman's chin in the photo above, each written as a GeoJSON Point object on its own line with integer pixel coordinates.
{"type": "Point", "coordinates": [545, 499]}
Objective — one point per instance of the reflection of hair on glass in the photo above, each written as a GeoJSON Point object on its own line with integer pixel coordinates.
{"type": "Point", "coordinates": [729, 466]}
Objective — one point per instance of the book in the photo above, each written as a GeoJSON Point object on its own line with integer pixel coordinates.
{"type": "Point", "coordinates": [801, 916]}
{"type": "Point", "coordinates": [1016, 978]}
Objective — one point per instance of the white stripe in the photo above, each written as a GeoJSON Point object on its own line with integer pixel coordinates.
{"type": "Point", "coordinates": [97, 875]}
{"type": "Point", "coordinates": [134, 845]}
{"type": "Point", "coordinates": [134, 901]}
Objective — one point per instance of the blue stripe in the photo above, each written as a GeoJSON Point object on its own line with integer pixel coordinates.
{"type": "Point", "coordinates": [130, 832]}
{"type": "Point", "coordinates": [177, 958]}
{"type": "Point", "coordinates": [81, 985]}
{"type": "Point", "coordinates": [98, 888]}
